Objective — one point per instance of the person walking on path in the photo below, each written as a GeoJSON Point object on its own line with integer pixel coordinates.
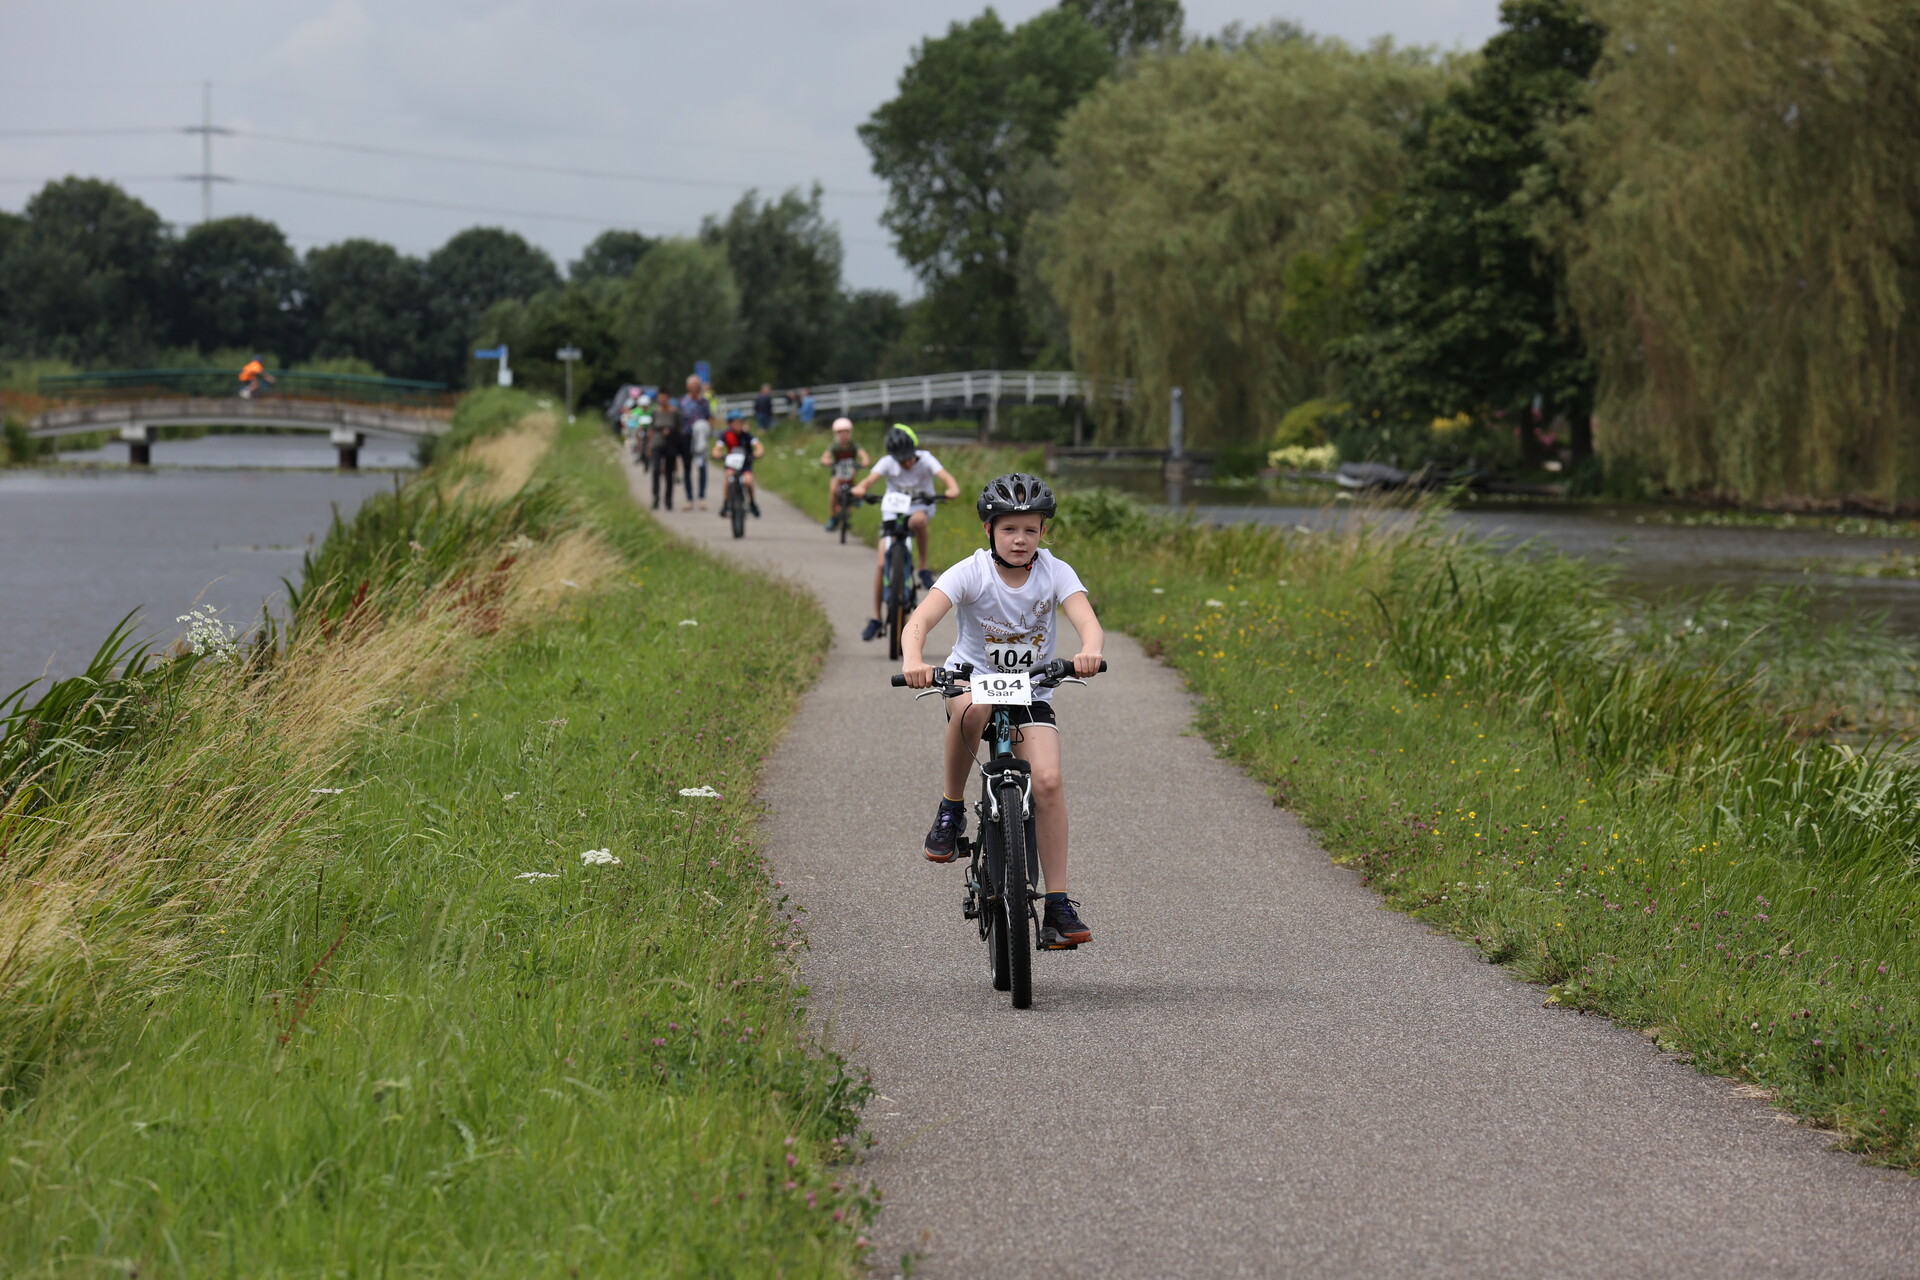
{"type": "Point", "coordinates": [669, 446]}
{"type": "Point", "coordinates": [805, 411]}
{"type": "Point", "coordinates": [763, 408]}
{"type": "Point", "coordinates": [696, 420]}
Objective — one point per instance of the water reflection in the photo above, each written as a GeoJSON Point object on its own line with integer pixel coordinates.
{"type": "Point", "coordinates": [79, 547]}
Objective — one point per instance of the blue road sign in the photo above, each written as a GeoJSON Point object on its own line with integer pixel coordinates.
{"type": "Point", "coordinates": [703, 371]}
{"type": "Point", "coordinates": [489, 353]}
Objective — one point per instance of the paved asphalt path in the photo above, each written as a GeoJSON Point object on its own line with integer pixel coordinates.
{"type": "Point", "coordinates": [1254, 1069]}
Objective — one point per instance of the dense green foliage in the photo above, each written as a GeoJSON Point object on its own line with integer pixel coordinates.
{"type": "Point", "coordinates": [1204, 191]}
{"type": "Point", "coordinates": [90, 275]}
{"type": "Point", "coordinates": [1457, 304]}
{"type": "Point", "coordinates": [1748, 265]}
{"type": "Point", "coordinates": [963, 147]}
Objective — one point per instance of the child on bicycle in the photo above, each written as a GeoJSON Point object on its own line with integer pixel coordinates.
{"type": "Point", "coordinates": [841, 458]}
{"type": "Point", "coordinates": [1006, 600]}
{"type": "Point", "coordinates": [738, 438]}
{"type": "Point", "coordinates": [911, 470]}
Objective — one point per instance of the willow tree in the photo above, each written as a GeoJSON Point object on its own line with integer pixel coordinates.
{"type": "Point", "coordinates": [1749, 255]}
{"type": "Point", "coordinates": [1203, 187]}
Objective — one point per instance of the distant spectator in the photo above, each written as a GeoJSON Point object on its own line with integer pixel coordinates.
{"type": "Point", "coordinates": [763, 407]}
{"type": "Point", "coordinates": [806, 406]}
{"type": "Point", "coordinates": [696, 411]}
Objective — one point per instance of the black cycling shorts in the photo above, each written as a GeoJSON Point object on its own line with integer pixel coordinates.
{"type": "Point", "coordinates": [1035, 713]}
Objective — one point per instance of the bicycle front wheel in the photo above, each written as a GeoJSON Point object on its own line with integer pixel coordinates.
{"type": "Point", "coordinates": [737, 495]}
{"type": "Point", "coordinates": [899, 565]}
{"type": "Point", "coordinates": [1015, 905]}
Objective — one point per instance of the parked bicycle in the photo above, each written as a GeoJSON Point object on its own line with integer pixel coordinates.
{"type": "Point", "coordinates": [899, 590]}
{"type": "Point", "coordinates": [1002, 865]}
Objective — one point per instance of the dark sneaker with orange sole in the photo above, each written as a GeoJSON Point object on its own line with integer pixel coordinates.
{"type": "Point", "coordinates": [1061, 926]}
{"type": "Point", "coordinates": [949, 824]}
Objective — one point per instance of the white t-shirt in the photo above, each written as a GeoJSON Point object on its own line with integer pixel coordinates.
{"type": "Point", "coordinates": [1005, 628]}
{"type": "Point", "coordinates": [702, 433]}
{"type": "Point", "coordinates": [916, 479]}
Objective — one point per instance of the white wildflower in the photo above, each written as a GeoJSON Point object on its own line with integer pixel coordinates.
{"type": "Point", "coordinates": [705, 793]}
{"type": "Point", "coordinates": [327, 791]}
{"type": "Point", "coordinates": [521, 543]}
{"type": "Point", "coordinates": [208, 637]}
{"type": "Point", "coordinates": [1159, 591]}
{"type": "Point", "coordinates": [689, 622]}
{"type": "Point", "coordinates": [1216, 604]}
{"type": "Point", "coordinates": [537, 875]}
{"type": "Point", "coordinates": [511, 795]}
{"type": "Point", "coordinates": [599, 858]}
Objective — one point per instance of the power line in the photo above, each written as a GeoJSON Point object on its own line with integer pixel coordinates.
{"type": "Point", "coordinates": [524, 166]}
{"type": "Point", "coordinates": [82, 133]}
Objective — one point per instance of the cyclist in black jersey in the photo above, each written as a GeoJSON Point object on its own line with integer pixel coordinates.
{"type": "Point", "coordinates": [842, 458]}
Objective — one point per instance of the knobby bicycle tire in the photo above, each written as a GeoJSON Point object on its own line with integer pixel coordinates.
{"type": "Point", "coordinates": [1013, 894]}
{"type": "Point", "coordinates": [737, 495]}
{"type": "Point", "coordinates": [899, 565]}
{"type": "Point", "coordinates": [993, 875]}
{"type": "Point", "coordinates": [846, 520]}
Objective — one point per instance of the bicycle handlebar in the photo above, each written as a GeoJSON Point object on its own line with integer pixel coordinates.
{"type": "Point", "coordinates": [873, 499]}
{"type": "Point", "coordinates": [1044, 676]}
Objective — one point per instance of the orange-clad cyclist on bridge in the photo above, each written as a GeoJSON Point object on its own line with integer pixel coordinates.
{"type": "Point", "coordinates": [252, 374]}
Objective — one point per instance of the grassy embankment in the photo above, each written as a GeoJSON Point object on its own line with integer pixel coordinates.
{"type": "Point", "coordinates": [1650, 813]}
{"type": "Point", "coordinates": [306, 973]}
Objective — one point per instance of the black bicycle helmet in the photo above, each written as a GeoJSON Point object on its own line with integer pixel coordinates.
{"type": "Point", "coordinates": [902, 445]}
{"type": "Point", "coordinates": [1015, 491]}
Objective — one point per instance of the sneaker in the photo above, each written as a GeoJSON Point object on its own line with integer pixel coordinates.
{"type": "Point", "coordinates": [1061, 925]}
{"type": "Point", "coordinates": [949, 824]}
{"type": "Point", "coordinates": [753, 509]}
{"type": "Point", "coordinates": [927, 579]}
{"type": "Point", "coordinates": [831, 525]}
{"type": "Point", "coordinates": [873, 629]}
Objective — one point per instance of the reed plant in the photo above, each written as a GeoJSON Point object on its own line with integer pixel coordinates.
{"type": "Point", "coordinates": [502, 1000]}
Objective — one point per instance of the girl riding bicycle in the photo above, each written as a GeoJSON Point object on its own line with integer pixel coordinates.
{"type": "Point", "coordinates": [907, 469]}
{"type": "Point", "coordinates": [737, 439]}
{"type": "Point", "coordinates": [841, 457]}
{"type": "Point", "coordinates": [1006, 600]}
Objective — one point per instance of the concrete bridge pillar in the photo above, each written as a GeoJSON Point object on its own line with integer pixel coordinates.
{"type": "Point", "coordinates": [348, 441]}
{"type": "Point", "coordinates": [139, 442]}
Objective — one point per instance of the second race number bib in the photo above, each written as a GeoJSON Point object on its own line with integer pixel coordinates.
{"type": "Point", "coordinates": [1012, 657]}
{"type": "Point", "coordinates": [894, 505]}
{"type": "Point", "coordinates": [1001, 689]}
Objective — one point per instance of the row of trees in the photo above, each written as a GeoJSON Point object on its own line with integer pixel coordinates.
{"type": "Point", "coordinates": [1685, 230]}
{"type": "Point", "coordinates": [92, 276]}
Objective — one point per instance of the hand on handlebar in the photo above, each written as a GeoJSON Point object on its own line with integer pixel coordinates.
{"type": "Point", "coordinates": [920, 677]}
{"type": "Point", "coordinates": [1088, 664]}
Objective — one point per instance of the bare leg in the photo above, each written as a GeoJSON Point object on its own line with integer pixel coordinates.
{"type": "Point", "coordinates": [1039, 746]}
{"type": "Point", "coordinates": [918, 523]}
{"type": "Point", "coordinates": [964, 722]}
{"type": "Point", "coordinates": [878, 571]}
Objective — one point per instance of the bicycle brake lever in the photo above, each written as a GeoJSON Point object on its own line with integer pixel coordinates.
{"type": "Point", "coordinates": [1069, 680]}
{"type": "Point", "coordinates": [927, 693]}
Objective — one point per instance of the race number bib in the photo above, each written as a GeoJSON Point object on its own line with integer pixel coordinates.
{"type": "Point", "coordinates": [1012, 657]}
{"type": "Point", "coordinates": [843, 469]}
{"type": "Point", "coordinates": [894, 504]}
{"type": "Point", "coordinates": [736, 460]}
{"type": "Point", "coordinates": [1001, 689]}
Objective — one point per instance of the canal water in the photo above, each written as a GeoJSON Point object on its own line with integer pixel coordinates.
{"type": "Point", "coordinates": [1651, 559]}
{"type": "Point", "coordinates": [219, 521]}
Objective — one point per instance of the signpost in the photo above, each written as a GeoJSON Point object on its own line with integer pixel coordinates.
{"type": "Point", "coordinates": [497, 353]}
{"type": "Point", "coordinates": [703, 371]}
{"type": "Point", "coordinates": [566, 356]}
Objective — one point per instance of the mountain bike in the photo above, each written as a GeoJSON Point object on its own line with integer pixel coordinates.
{"type": "Point", "coordinates": [843, 499]}
{"type": "Point", "coordinates": [899, 590]}
{"type": "Point", "coordinates": [1002, 865]}
{"type": "Point", "coordinates": [734, 505]}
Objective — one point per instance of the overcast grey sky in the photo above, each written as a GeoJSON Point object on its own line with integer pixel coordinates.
{"type": "Point", "coordinates": [710, 99]}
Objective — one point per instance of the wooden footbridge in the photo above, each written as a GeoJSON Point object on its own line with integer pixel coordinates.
{"type": "Point", "coordinates": [135, 405]}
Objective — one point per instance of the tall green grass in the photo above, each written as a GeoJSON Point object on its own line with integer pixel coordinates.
{"type": "Point", "coordinates": [433, 1039]}
{"type": "Point", "coordinates": [1696, 819]}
